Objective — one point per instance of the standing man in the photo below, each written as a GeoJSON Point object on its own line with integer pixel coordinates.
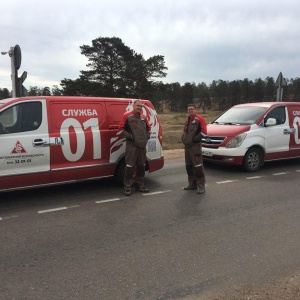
{"type": "Point", "coordinates": [136, 129]}
{"type": "Point", "coordinates": [193, 131]}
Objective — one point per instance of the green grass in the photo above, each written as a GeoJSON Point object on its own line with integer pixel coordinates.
{"type": "Point", "coordinates": [172, 126]}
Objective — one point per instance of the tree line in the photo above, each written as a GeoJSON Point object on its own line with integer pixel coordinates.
{"type": "Point", "coordinates": [115, 70]}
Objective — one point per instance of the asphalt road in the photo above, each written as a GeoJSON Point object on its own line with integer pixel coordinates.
{"type": "Point", "coordinates": [88, 241]}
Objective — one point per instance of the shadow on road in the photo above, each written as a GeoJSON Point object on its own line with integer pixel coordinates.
{"type": "Point", "coordinates": [56, 194]}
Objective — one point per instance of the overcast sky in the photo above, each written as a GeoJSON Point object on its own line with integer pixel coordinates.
{"type": "Point", "coordinates": [201, 40]}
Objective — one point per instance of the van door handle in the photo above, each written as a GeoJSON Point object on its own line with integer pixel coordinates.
{"type": "Point", "coordinates": [40, 142]}
{"type": "Point", "coordinates": [289, 131]}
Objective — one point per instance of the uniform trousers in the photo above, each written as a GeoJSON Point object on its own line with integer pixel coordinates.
{"type": "Point", "coordinates": [135, 158]}
{"type": "Point", "coordinates": [194, 165]}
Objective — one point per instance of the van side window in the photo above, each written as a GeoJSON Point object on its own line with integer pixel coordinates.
{"type": "Point", "coordinates": [277, 113]}
{"type": "Point", "coordinates": [21, 117]}
{"type": "Point", "coordinates": [30, 116]}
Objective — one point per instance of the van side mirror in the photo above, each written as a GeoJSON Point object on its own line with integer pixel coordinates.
{"type": "Point", "coordinates": [270, 122]}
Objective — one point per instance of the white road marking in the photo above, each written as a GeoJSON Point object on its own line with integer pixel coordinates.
{"type": "Point", "coordinates": [108, 200]}
{"type": "Point", "coordinates": [282, 173]}
{"type": "Point", "coordinates": [74, 206]}
{"type": "Point", "coordinates": [225, 181]}
{"type": "Point", "coordinates": [254, 177]}
{"type": "Point", "coordinates": [51, 210]}
{"type": "Point", "coordinates": [7, 218]}
{"type": "Point", "coordinates": [57, 209]}
{"type": "Point", "coordinates": [155, 193]}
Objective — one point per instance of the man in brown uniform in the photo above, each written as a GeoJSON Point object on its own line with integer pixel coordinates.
{"type": "Point", "coordinates": [193, 131]}
{"type": "Point", "coordinates": [136, 129]}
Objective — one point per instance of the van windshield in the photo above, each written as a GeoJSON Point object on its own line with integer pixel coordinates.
{"type": "Point", "coordinates": [240, 116]}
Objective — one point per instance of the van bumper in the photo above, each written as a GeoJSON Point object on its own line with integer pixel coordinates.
{"type": "Point", "coordinates": [156, 164]}
{"type": "Point", "coordinates": [228, 156]}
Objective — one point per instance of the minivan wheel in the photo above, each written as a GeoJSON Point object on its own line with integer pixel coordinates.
{"type": "Point", "coordinates": [253, 160]}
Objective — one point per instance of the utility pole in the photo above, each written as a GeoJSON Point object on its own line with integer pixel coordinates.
{"type": "Point", "coordinates": [16, 58]}
{"type": "Point", "coordinates": [10, 52]}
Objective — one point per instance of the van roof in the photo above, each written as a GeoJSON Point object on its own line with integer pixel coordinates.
{"type": "Point", "coordinates": [70, 98]}
{"type": "Point", "coordinates": [3, 102]}
{"type": "Point", "coordinates": [264, 104]}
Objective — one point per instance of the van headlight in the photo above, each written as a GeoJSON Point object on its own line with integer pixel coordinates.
{"type": "Point", "coordinates": [236, 141]}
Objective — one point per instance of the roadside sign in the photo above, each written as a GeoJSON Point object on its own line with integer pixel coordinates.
{"type": "Point", "coordinates": [280, 82]}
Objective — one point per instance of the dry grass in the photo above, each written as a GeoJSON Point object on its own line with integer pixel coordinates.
{"type": "Point", "coordinates": [172, 126]}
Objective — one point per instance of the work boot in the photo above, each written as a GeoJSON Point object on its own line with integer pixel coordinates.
{"type": "Point", "coordinates": [127, 192]}
{"type": "Point", "coordinates": [200, 190]}
{"type": "Point", "coordinates": [190, 187]}
{"type": "Point", "coordinates": [142, 189]}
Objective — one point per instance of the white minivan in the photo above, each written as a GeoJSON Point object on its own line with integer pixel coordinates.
{"type": "Point", "coordinates": [252, 133]}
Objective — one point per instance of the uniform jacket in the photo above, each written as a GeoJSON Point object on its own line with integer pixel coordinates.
{"type": "Point", "coordinates": [135, 128]}
{"type": "Point", "coordinates": [193, 130]}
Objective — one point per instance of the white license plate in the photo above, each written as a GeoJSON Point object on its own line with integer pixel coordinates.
{"type": "Point", "coordinates": [207, 153]}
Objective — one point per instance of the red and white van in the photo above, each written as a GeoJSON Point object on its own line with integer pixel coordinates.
{"type": "Point", "coordinates": [49, 140]}
{"type": "Point", "coordinates": [250, 134]}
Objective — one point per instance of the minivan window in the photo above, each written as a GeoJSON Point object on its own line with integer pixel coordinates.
{"type": "Point", "coordinates": [240, 116]}
{"type": "Point", "coordinates": [278, 113]}
{"type": "Point", "coordinates": [21, 117]}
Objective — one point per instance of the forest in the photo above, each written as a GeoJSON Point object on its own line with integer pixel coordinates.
{"type": "Point", "coordinates": [115, 70]}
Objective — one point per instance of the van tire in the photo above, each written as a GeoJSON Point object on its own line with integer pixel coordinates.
{"type": "Point", "coordinates": [120, 171]}
{"type": "Point", "coordinates": [253, 160]}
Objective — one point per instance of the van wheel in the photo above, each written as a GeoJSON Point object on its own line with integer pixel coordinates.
{"type": "Point", "coordinates": [120, 171]}
{"type": "Point", "coordinates": [253, 160]}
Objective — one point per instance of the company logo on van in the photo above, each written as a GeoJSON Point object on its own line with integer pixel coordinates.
{"type": "Point", "coordinates": [18, 148]}
{"type": "Point", "coordinates": [117, 144]}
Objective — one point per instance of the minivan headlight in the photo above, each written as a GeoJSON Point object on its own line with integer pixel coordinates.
{"type": "Point", "coordinates": [236, 141]}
